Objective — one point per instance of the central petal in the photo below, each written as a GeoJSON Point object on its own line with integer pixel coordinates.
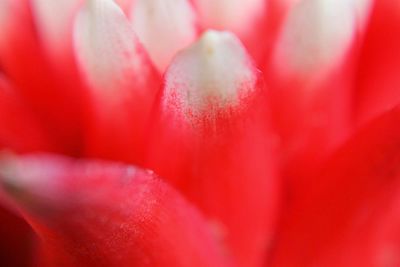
{"type": "Point", "coordinates": [215, 72]}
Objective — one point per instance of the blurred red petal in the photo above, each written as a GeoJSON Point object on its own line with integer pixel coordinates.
{"type": "Point", "coordinates": [16, 240]}
{"type": "Point", "coordinates": [50, 95]}
{"type": "Point", "coordinates": [349, 215]}
{"type": "Point", "coordinates": [90, 213]}
{"type": "Point", "coordinates": [378, 72]}
{"type": "Point", "coordinates": [312, 118]}
{"type": "Point", "coordinates": [312, 79]}
{"type": "Point", "coordinates": [20, 130]}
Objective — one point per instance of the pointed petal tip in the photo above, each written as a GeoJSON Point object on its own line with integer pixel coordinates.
{"type": "Point", "coordinates": [215, 71]}
{"type": "Point", "coordinates": [108, 51]}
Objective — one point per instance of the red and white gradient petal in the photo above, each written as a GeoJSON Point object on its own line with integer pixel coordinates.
{"type": "Point", "coordinates": [122, 79]}
{"type": "Point", "coordinates": [312, 80]}
{"type": "Point", "coordinates": [164, 27]}
{"type": "Point", "coordinates": [211, 140]}
{"type": "Point", "coordinates": [215, 72]}
{"type": "Point", "coordinates": [25, 62]}
{"type": "Point", "coordinates": [54, 20]}
{"type": "Point", "coordinates": [316, 36]}
{"type": "Point", "coordinates": [93, 213]}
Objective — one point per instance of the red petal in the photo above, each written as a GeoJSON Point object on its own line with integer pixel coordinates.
{"type": "Point", "coordinates": [16, 240]}
{"type": "Point", "coordinates": [312, 119]}
{"type": "Point", "coordinates": [19, 129]}
{"type": "Point", "coordinates": [47, 92]}
{"type": "Point", "coordinates": [212, 141]}
{"type": "Point", "coordinates": [378, 73]}
{"type": "Point", "coordinates": [349, 215]}
{"type": "Point", "coordinates": [103, 214]}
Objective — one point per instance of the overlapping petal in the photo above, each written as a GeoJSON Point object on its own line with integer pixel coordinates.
{"type": "Point", "coordinates": [349, 216]}
{"type": "Point", "coordinates": [56, 101]}
{"type": "Point", "coordinates": [316, 36]}
{"type": "Point", "coordinates": [122, 79]}
{"type": "Point", "coordinates": [55, 27]}
{"type": "Point", "coordinates": [90, 213]}
{"type": "Point", "coordinates": [249, 20]}
{"type": "Point", "coordinates": [164, 27]}
{"type": "Point", "coordinates": [83, 78]}
{"type": "Point", "coordinates": [312, 80]}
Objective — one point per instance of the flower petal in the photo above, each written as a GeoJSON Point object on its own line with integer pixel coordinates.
{"type": "Point", "coordinates": [378, 79]}
{"type": "Point", "coordinates": [316, 36]}
{"type": "Point", "coordinates": [312, 81]}
{"type": "Point", "coordinates": [16, 243]}
{"type": "Point", "coordinates": [25, 62]}
{"type": "Point", "coordinates": [104, 214]}
{"type": "Point", "coordinates": [171, 21]}
{"type": "Point", "coordinates": [199, 76]}
{"type": "Point", "coordinates": [20, 130]}
{"type": "Point", "coordinates": [102, 29]}
{"type": "Point", "coordinates": [212, 141]}
{"type": "Point", "coordinates": [122, 80]}
{"type": "Point", "coordinates": [55, 27]}
{"type": "Point", "coordinates": [350, 215]}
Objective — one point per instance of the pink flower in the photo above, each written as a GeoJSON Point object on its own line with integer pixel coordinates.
{"type": "Point", "coordinates": [199, 133]}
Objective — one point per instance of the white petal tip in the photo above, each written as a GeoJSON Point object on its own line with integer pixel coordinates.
{"type": "Point", "coordinates": [107, 49]}
{"type": "Point", "coordinates": [213, 73]}
{"type": "Point", "coordinates": [316, 36]}
{"type": "Point", "coordinates": [211, 40]}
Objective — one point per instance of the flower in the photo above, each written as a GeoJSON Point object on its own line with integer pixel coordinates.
{"type": "Point", "coordinates": [199, 133]}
